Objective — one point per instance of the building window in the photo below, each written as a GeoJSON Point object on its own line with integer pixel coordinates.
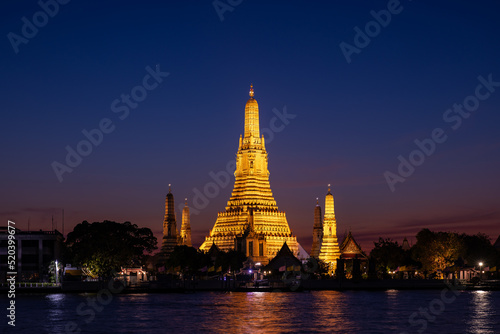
{"type": "Point", "coordinates": [261, 249]}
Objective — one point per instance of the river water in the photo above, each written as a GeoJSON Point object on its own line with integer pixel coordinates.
{"type": "Point", "coordinates": [428, 311]}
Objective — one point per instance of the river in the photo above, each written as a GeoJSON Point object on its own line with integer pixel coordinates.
{"type": "Point", "coordinates": [428, 311]}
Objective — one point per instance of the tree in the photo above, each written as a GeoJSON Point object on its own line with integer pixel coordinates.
{"type": "Point", "coordinates": [478, 248]}
{"type": "Point", "coordinates": [388, 254]}
{"type": "Point", "coordinates": [319, 268]}
{"type": "Point", "coordinates": [55, 271]}
{"type": "Point", "coordinates": [437, 250]}
{"type": "Point", "coordinates": [232, 259]}
{"type": "Point", "coordinates": [188, 258]}
{"type": "Point", "coordinates": [102, 248]}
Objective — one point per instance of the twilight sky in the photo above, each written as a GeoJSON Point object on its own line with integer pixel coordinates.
{"type": "Point", "coordinates": [344, 99]}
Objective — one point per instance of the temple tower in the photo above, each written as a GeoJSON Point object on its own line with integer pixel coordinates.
{"type": "Point", "coordinates": [317, 231]}
{"type": "Point", "coordinates": [330, 251]}
{"type": "Point", "coordinates": [185, 237]}
{"type": "Point", "coordinates": [251, 222]}
{"type": "Point", "coordinates": [169, 225]}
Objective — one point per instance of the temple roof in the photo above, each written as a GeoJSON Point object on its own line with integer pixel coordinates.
{"type": "Point", "coordinates": [405, 245]}
{"type": "Point", "coordinates": [214, 250]}
{"type": "Point", "coordinates": [284, 257]}
{"type": "Point", "coordinates": [350, 248]}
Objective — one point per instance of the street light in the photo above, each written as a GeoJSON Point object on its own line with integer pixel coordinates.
{"type": "Point", "coordinates": [57, 272]}
{"type": "Point", "coordinates": [480, 269]}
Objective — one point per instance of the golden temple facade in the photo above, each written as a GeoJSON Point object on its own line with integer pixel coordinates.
{"type": "Point", "coordinates": [330, 251]}
{"type": "Point", "coordinates": [185, 237]}
{"type": "Point", "coordinates": [251, 222]}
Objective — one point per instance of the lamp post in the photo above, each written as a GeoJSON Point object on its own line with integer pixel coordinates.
{"type": "Point", "coordinates": [57, 272]}
{"type": "Point", "coordinates": [480, 269]}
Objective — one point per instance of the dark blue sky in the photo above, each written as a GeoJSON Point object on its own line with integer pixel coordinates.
{"type": "Point", "coordinates": [351, 120]}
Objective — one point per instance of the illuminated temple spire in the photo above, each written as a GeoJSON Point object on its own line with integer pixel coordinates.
{"type": "Point", "coordinates": [251, 116]}
{"type": "Point", "coordinates": [317, 231]}
{"type": "Point", "coordinates": [169, 225]}
{"type": "Point", "coordinates": [330, 251]}
{"type": "Point", "coordinates": [251, 222]}
{"type": "Point", "coordinates": [185, 237]}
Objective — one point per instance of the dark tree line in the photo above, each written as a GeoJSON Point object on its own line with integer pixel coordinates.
{"type": "Point", "coordinates": [191, 261]}
{"type": "Point", "coordinates": [435, 251]}
{"type": "Point", "coordinates": [102, 248]}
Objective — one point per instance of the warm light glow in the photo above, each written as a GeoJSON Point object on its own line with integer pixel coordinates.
{"type": "Point", "coordinates": [480, 264]}
{"type": "Point", "coordinates": [330, 251]}
{"type": "Point", "coordinates": [252, 205]}
{"type": "Point", "coordinates": [57, 272]}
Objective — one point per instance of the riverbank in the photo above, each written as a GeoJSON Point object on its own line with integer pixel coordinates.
{"type": "Point", "coordinates": [189, 286]}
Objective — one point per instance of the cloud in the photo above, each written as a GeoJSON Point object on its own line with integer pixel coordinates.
{"type": "Point", "coordinates": [452, 221]}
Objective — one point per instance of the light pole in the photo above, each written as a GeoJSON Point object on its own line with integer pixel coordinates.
{"type": "Point", "coordinates": [480, 269]}
{"type": "Point", "coordinates": [57, 272]}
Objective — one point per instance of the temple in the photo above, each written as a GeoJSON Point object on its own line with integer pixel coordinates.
{"type": "Point", "coordinates": [350, 249]}
{"type": "Point", "coordinates": [170, 236]}
{"type": "Point", "coordinates": [169, 225]}
{"type": "Point", "coordinates": [185, 237]}
{"type": "Point", "coordinates": [329, 251]}
{"type": "Point", "coordinates": [317, 231]}
{"type": "Point", "coordinates": [251, 222]}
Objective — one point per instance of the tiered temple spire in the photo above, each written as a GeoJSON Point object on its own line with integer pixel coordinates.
{"type": "Point", "coordinates": [169, 225]}
{"type": "Point", "coordinates": [185, 237]}
{"type": "Point", "coordinates": [251, 222]}
{"type": "Point", "coordinates": [317, 231]}
{"type": "Point", "coordinates": [330, 251]}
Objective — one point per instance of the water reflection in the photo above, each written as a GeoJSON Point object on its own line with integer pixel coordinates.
{"type": "Point", "coordinates": [252, 312]}
{"type": "Point", "coordinates": [482, 318]}
{"type": "Point", "coordinates": [55, 307]}
{"type": "Point", "coordinates": [331, 305]}
{"type": "Point", "coordinates": [257, 312]}
{"type": "Point", "coordinates": [55, 311]}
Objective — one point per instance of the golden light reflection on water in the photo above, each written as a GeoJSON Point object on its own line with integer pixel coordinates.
{"type": "Point", "coordinates": [254, 312]}
{"type": "Point", "coordinates": [357, 312]}
{"type": "Point", "coordinates": [330, 305]}
{"type": "Point", "coordinates": [276, 312]}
